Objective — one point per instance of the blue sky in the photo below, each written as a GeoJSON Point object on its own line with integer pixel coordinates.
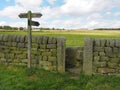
{"type": "Point", "coordinates": [68, 14]}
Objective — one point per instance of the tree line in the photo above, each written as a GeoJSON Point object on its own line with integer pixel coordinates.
{"type": "Point", "coordinates": [22, 28]}
{"type": "Point", "coordinates": [107, 29]}
{"type": "Point", "coordinates": [11, 28]}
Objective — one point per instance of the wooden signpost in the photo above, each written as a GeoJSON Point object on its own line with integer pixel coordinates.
{"type": "Point", "coordinates": [30, 15]}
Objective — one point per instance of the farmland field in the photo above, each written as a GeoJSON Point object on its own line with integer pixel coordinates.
{"type": "Point", "coordinates": [22, 78]}
{"type": "Point", "coordinates": [73, 38]}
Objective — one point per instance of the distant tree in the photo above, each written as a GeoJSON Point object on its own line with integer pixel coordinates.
{"type": "Point", "coordinates": [21, 28]}
{"type": "Point", "coordinates": [53, 28]}
{"type": "Point", "coordinates": [7, 27]}
{"type": "Point", "coordinates": [1, 27]}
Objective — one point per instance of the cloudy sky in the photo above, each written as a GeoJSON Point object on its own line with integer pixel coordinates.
{"type": "Point", "coordinates": [71, 14]}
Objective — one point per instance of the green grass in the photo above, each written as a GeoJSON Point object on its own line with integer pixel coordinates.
{"type": "Point", "coordinates": [73, 38]}
{"type": "Point", "coordinates": [21, 78]}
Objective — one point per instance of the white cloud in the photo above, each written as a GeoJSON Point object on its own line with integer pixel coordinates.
{"type": "Point", "coordinates": [117, 14]}
{"type": "Point", "coordinates": [84, 7]}
{"type": "Point", "coordinates": [29, 4]}
{"type": "Point", "coordinates": [108, 13]}
{"type": "Point", "coordinates": [90, 13]}
{"type": "Point", "coordinates": [11, 11]}
{"type": "Point", "coordinates": [94, 16]}
{"type": "Point", "coordinates": [50, 13]}
{"type": "Point", "coordinates": [52, 1]}
{"type": "Point", "coordinates": [18, 24]}
{"type": "Point", "coordinates": [2, 23]}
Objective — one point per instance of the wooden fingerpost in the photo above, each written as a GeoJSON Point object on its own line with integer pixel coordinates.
{"type": "Point", "coordinates": [29, 39]}
{"type": "Point", "coordinates": [31, 23]}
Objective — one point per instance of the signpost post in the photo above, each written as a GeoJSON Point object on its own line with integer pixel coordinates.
{"type": "Point", "coordinates": [30, 15]}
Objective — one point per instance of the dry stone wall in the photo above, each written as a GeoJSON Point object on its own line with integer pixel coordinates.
{"type": "Point", "coordinates": [102, 56]}
{"type": "Point", "coordinates": [106, 56]}
{"type": "Point", "coordinates": [47, 52]}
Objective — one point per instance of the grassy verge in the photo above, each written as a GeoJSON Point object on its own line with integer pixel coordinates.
{"type": "Point", "coordinates": [21, 78]}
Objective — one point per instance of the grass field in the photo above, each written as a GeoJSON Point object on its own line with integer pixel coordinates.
{"type": "Point", "coordinates": [21, 78]}
{"type": "Point", "coordinates": [74, 38]}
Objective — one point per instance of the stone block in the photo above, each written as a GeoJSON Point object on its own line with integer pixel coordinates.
{"type": "Point", "coordinates": [14, 44]}
{"type": "Point", "coordinates": [108, 50]}
{"type": "Point", "coordinates": [54, 52]}
{"type": "Point", "coordinates": [44, 40]}
{"type": "Point", "coordinates": [95, 53]}
{"type": "Point", "coordinates": [1, 37]}
{"type": "Point", "coordinates": [112, 42]}
{"type": "Point", "coordinates": [9, 60]}
{"type": "Point", "coordinates": [26, 39]}
{"type": "Point", "coordinates": [107, 43]}
{"type": "Point", "coordinates": [96, 58]}
{"type": "Point", "coordinates": [20, 45]}
{"type": "Point", "coordinates": [10, 39]}
{"type": "Point", "coordinates": [14, 38]}
{"type": "Point", "coordinates": [106, 70]}
{"type": "Point", "coordinates": [46, 63]}
{"type": "Point", "coordinates": [104, 58]}
{"type": "Point", "coordinates": [9, 56]}
{"type": "Point", "coordinates": [118, 54]}
{"type": "Point", "coordinates": [42, 46]}
{"type": "Point", "coordinates": [51, 46]}
{"type": "Point", "coordinates": [17, 61]}
{"type": "Point", "coordinates": [44, 58]}
{"type": "Point", "coordinates": [2, 55]}
{"type": "Point", "coordinates": [112, 55]}
{"type": "Point", "coordinates": [35, 39]}
{"type": "Point", "coordinates": [112, 65]}
{"type": "Point", "coordinates": [40, 40]}
{"type": "Point", "coordinates": [79, 55]}
{"type": "Point", "coordinates": [52, 40]}
{"type": "Point", "coordinates": [103, 42]}
{"type": "Point", "coordinates": [5, 38]}
{"type": "Point", "coordinates": [18, 38]}
{"type": "Point", "coordinates": [46, 54]}
{"type": "Point", "coordinates": [22, 38]}
{"type": "Point", "coordinates": [115, 60]}
{"type": "Point", "coordinates": [115, 50]}
{"type": "Point", "coordinates": [100, 64]}
{"type": "Point", "coordinates": [102, 53]}
{"type": "Point", "coordinates": [98, 49]}
{"type": "Point", "coordinates": [97, 42]}
{"type": "Point", "coordinates": [24, 61]}
{"type": "Point", "coordinates": [34, 45]}
{"type": "Point", "coordinates": [9, 44]}
{"type": "Point", "coordinates": [117, 42]}
{"type": "Point", "coordinates": [50, 58]}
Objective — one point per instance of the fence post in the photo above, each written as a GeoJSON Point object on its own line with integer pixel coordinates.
{"type": "Point", "coordinates": [29, 39]}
